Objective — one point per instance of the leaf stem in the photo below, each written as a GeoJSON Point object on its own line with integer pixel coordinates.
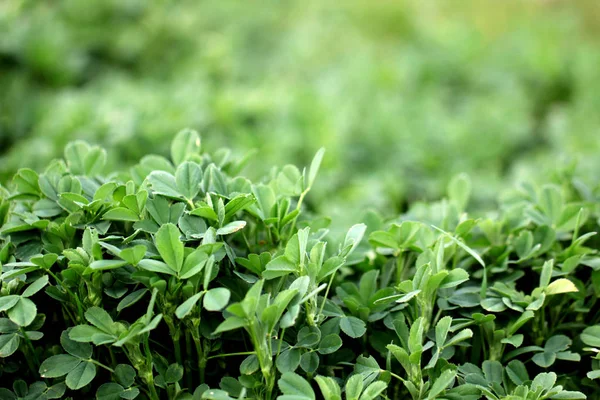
{"type": "Point", "coordinates": [98, 363]}
{"type": "Point", "coordinates": [30, 345]}
{"type": "Point", "coordinates": [188, 351]}
{"type": "Point", "coordinates": [149, 374]}
{"type": "Point", "coordinates": [298, 206]}
{"type": "Point", "coordinates": [241, 353]}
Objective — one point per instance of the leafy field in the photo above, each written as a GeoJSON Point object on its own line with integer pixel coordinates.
{"type": "Point", "coordinates": [180, 279]}
{"type": "Point", "coordinates": [390, 201]}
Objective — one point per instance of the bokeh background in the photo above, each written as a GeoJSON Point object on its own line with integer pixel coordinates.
{"type": "Point", "coordinates": [403, 94]}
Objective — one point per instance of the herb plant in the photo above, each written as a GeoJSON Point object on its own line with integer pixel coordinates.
{"type": "Point", "coordinates": [182, 279]}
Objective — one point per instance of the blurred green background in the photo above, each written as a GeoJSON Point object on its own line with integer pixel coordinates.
{"type": "Point", "coordinates": [403, 94]}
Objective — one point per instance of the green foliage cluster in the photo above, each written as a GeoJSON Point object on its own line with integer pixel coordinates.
{"type": "Point", "coordinates": [182, 279]}
{"type": "Point", "coordinates": [408, 91]}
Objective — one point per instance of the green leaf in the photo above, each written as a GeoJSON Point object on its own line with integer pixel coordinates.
{"type": "Point", "coordinates": [353, 238]}
{"type": "Point", "coordinates": [75, 153]}
{"type": "Point", "coordinates": [568, 394]}
{"type": "Point", "coordinates": [81, 375]}
{"type": "Point", "coordinates": [545, 380]}
{"type": "Point", "coordinates": [94, 161]}
{"type": "Point", "coordinates": [109, 391]}
{"type": "Point", "coordinates": [329, 388]}
{"type": "Point", "coordinates": [515, 340]}
{"type": "Point", "coordinates": [238, 203]}
{"type": "Point", "coordinates": [84, 333]}
{"type": "Point", "coordinates": [100, 319]}
{"type": "Point", "coordinates": [188, 178]}
{"type": "Point", "coordinates": [546, 273]}
{"type": "Point", "coordinates": [125, 374]}
{"type": "Point", "coordinates": [415, 340]}
{"type": "Point", "coordinates": [7, 326]}
{"type": "Point", "coordinates": [156, 266]}
{"type": "Point", "coordinates": [293, 384]}
{"type": "Point", "coordinates": [374, 390]}
{"type": "Point", "coordinates": [187, 306]}
{"type": "Point", "coordinates": [169, 246]}
{"type": "Point", "coordinates": [208, 271]}
{"type": "Point", "coordinates": [9, 344]}
{"type": "Point", "coordinates": [205, 211]}
{"type": "Point", "coordinates": [353, 326]}
{"type": "Point", "coordinates": [194, 263]}
{"type": "Point", "coordinates": [561, 285]}
{"type": "Point", "coordinates": [23, 312]}
{"type": "Point", "coordinates": [551, 202]}
{"type": "Point", "coordinates": [460, 244]}
{"type": "Point", "coordinates": [517, 372]}
{"type": "Point", "coordinates": [459, 191]}
{"type": "Point", "coordinates": [133, 255]}
{"type": "Point", "coordinates": [441, 330]}
{"type": "Point", "coordinates": [216, 299]}
{"type": "Point", "coordinates": [103, 265]}
{"type": "Point", "coordinates": [185, 145]}
{"type": "Point", "coordinates": [591, 336]}
{"type": "Point", "coordinates": [250, 365]}
{"type": "Point", "coordinates": [26, 181]}
{"type": "Point", "coordinates": [46, 208]}
{"type": "Point", "coordinates": [441, 383]}
{"type": "Point", "coordinates": [330, 344]}
{"type": "Point", "coordinates": [544, 359]}
{"type": "Point", "coordinates": [120, 214]}
{"type": "Point", "coordinates": [314, 167]}
{"type": "Point", "coordinates": [288, 360]}
{"type": "Point", "coordinates": [492, 371]}
{"type": "Point", "coordinates": [594, 374]}
{"type": "Point", "coordinates": [459, 337]}
{"type": "Point", "coordinates": [265, 198]}
{"type": "Point", "coordinates": [174, 373]}
{"type": "Point", "coordinates": [289, 181]}
{"type": "Point", "coordinates": [557, 343]}
{"type": "Point", "coordinates": [131, 299]}
{"type": "Point", "coordinates": [164, 183]}
{"type": "Point", "coordinates": [76, 349]}
{"type": "Point", "coordinates": [58, 365]}
{"type": "Point", "coordinates": [231, 227]}
{"type": "Point", "coordinates": [309, 362]}
{"type": "Point", "coordinates": [308, 337]}
{"type": "Point", "coordinates": [454, 278]}
{"type": "Point", "coordinates": [279, 266]}
{"type": "Point", "coordinates": [354, 387]}
{"type": "Point", "coordinates": [231, 323]}
{"type": "Point", "coordinates": [526, 316]}
{"type": "Point", "coordinates": [8, 302]}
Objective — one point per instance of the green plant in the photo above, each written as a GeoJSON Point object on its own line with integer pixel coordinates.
{"type": "Point", "coordinates": [182, 279]}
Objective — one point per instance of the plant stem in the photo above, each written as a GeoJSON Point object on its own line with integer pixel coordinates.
{"type": "Point", "coordinates": [201, 357]}
{"type": "Point", "coordinates": [149, 374]}
{"type": "Point", "coordinates": [280, 341]}
{"type": "Point", "coordinates": [73, 295]}
{"type": "Point", "coordinates": [188, 351]}
{"type": "Point", "coordinates": [242, 353]}
{"type": "Point", "coordinates": [325, 297]}
{"type": "Point", "coordinates": [298, 206]}
{"type": "Point", "coordinates": [30, 345]}
{"type": "Point", "coordinates": [113, 360]}
{"type": "Point", "coordinates": [399, 268]}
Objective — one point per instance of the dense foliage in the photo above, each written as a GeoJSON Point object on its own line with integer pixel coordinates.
{"type": "Point", "coordinates": [180, 278]}
{"type": "Point", "coordinates": [403, 95]}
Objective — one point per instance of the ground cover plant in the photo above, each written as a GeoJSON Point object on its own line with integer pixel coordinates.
{"type": "Point", "coordinates": [181, 279]}
{"type": "Point", "coordinates": [403, 95]}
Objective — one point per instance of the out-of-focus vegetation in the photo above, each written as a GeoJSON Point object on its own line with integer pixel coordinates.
{"type": "Point", "coordinates": [403, 94]}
